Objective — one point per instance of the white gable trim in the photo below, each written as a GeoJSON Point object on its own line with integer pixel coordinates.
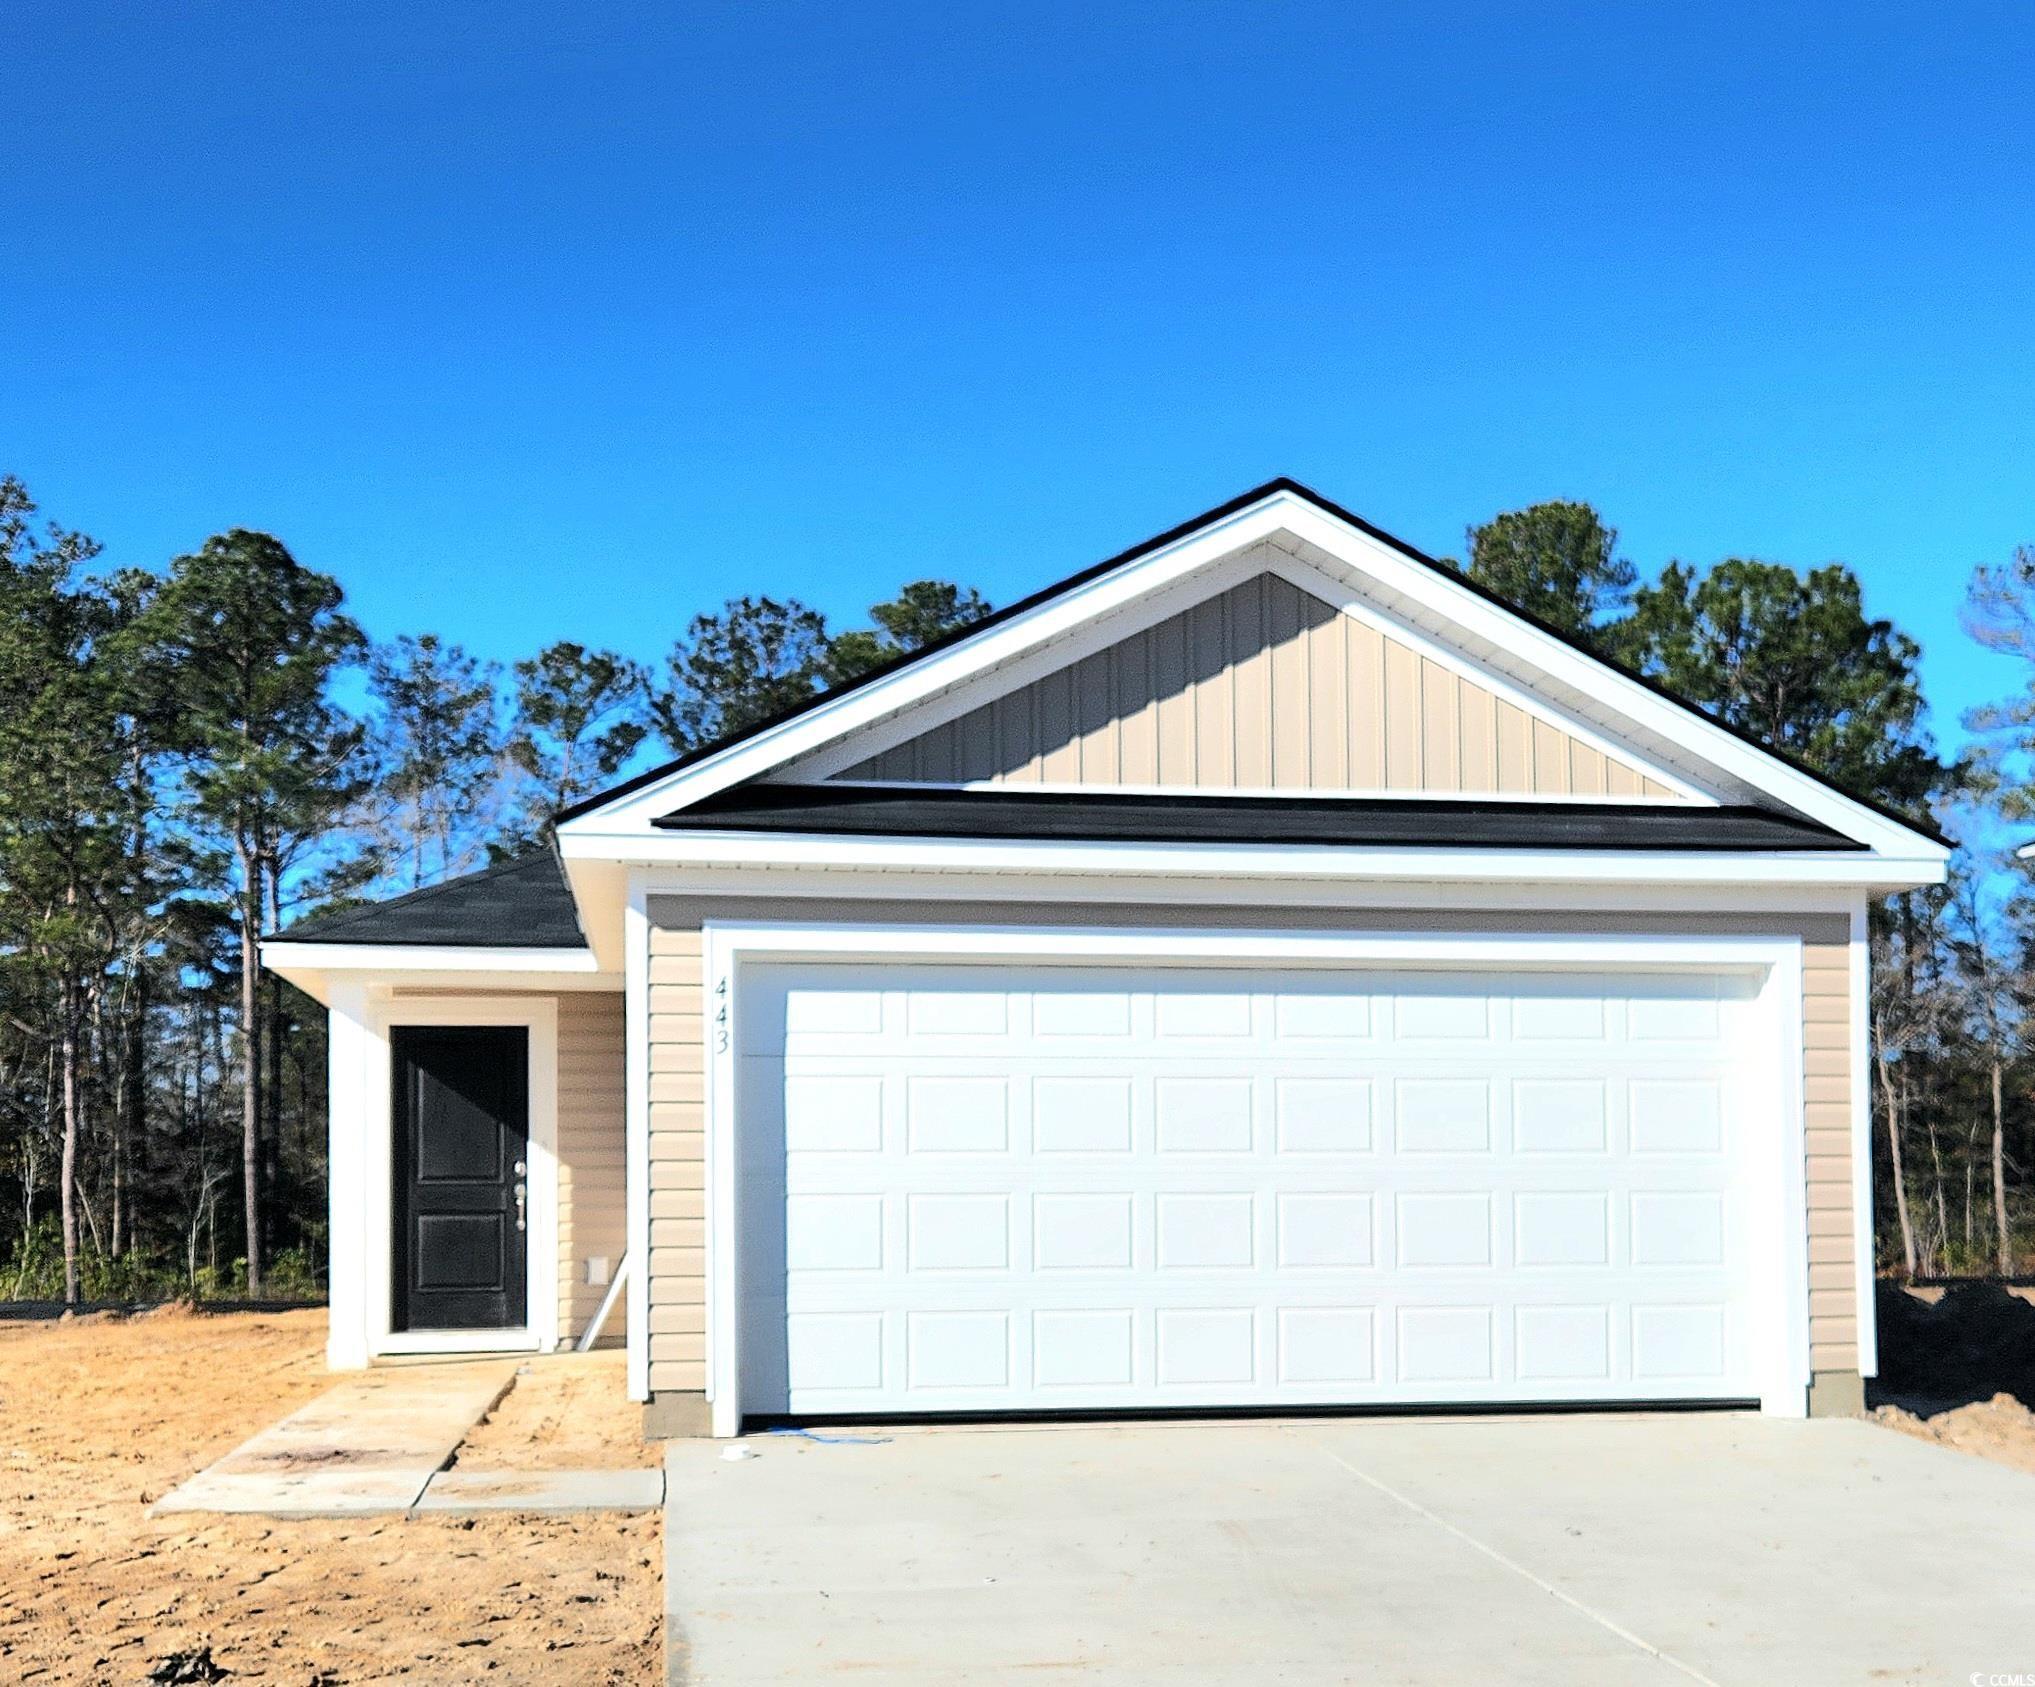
{"type": "Point", "coordinates": [1064, 614]}
{"type": "Point", "coordinates": [1457, 602]}
{"type": "Point", "coordinates": [833, 759]}
{"type": "Point", "coordinates": [1209, 580]}
{"type": "Point", "coordinates": [1345, 598]}
{"type": "Point", "coordinates": [1068, 612]}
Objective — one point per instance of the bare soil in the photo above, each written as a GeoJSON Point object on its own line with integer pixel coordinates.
{"type": "Point", "coordinates": [568, 1411]}
{"type": "Point", "coordinates": [1957, 1367]}
{"type": "Point", "coordinates": [2001, 1429]}
{"type": "Point", "coordinates": [99, 1416]}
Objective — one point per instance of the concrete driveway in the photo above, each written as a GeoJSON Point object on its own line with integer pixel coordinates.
{"type": "Point", "coordinates": [1567, 1550]}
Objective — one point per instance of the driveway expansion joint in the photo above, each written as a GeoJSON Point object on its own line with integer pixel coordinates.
{"type": "Point", "coordinates": [1638, 1642]}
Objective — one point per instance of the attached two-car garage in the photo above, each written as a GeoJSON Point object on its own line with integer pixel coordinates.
{"type": "Point", "coordinates": [1006, 1183]}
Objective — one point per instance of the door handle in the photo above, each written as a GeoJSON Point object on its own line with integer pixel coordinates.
{"type": "Point", "coordinates": [522, 1197]}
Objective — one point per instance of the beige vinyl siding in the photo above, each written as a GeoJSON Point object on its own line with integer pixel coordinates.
{"type": "Point", "coordinates": [678, 1213]}
{"type": "Point", "coordinates": [1264, 687]}
{"type": "Point", "coordinates": [593, 1216]}
{"type": "Point", "coordinates": [677, 1283]}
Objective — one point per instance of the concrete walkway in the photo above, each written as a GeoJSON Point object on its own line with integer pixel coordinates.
{"type": "Point", "coordinates": [377, 1444]}
{"type": "Point", "coordinates": [1569, 1551]}
{"type": "Point", "coordinates": [369, 1444]}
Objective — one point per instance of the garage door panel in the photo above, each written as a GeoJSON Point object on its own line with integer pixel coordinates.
{"type": "Point", "coordinates": [988, 1188]}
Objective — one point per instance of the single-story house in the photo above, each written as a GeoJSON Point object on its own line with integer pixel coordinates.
{"type": "Point", "coordinates": [1260, 970]}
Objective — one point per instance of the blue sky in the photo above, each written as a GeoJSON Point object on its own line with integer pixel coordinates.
{"type": "Point", "coordinates": [535, 322]}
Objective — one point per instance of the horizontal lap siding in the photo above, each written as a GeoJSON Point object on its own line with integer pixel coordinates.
{"type": "Point", "coordinates": [677, 1163]}
{"type": "Point", "coordinates": [593, 1218]}
{"type": "Point", "coordinates": [1828, 1126]}
{"type": "Point", "coordinates": [677, 1141]}
{"type": "Point", "coordinates": [1265, 686]}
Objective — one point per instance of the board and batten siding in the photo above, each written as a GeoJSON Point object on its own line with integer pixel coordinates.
{"type": "Point", "coordinates": [677, 1123]}
{"type": "Point", "coordinates": [1262, 687]}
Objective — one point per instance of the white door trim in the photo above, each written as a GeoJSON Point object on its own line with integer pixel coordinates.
{"type": "Point", "coordinates": [363, 1137]}
{"type": "Point", "coordinates": [1779, 1192]}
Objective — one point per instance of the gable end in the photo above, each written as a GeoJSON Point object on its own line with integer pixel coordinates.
{"type": "Point", "coordinates": [1261, 687]}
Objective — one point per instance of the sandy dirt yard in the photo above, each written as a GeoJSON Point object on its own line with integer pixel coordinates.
{"type": "Point", "coordinates": [99, 1417]}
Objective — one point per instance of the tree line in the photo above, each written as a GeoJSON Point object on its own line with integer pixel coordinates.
{"type": "Point", "coordinates": [180, 775]}
{"type": "Point", "coordinates": [1793, 659]}
{"type": "Point", "coordinates": [194, 754]}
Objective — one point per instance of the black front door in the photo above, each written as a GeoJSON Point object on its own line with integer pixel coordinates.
{"type": "Point", "coordinates": [462, 1146]}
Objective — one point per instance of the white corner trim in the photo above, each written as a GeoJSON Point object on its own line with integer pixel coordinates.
{"type": "Point", "coordinates": [722, 1171]}
{"type": "Point", "coordinates": [1786, 1183]}
{"type": "Point", "coordinates": [362, 1183]}
{"type": "Point", "coordinates": [349, 1062]}
{"type": "Point", "coordinates": [636, 1133]}
{"type": "Point", "coordinates": [1864, 1242]}
{"type": "Point", "coordinates": [1779, 1195]}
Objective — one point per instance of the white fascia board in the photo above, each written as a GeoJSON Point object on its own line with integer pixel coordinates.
{"type": "Point", "coordinates": [1078, 893]}
{"type": "Point", "coordinates": [1486, 620]}
{"type": "Point", "coordinates": [321, 970]}
{"type": "Point", "coordinates": [1565, 949]}
{"type": "Point", "coordinates": [1281, 861]}
{"type": "Point", "coordinates": [280, 953]}
{"type": "Point", "coordinates": [1062, 614]}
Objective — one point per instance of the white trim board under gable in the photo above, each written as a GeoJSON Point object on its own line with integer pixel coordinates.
{"type": "Point", "coordinates": [1337, 592]}
{"type": "Point", "coordinates": [618, 827]}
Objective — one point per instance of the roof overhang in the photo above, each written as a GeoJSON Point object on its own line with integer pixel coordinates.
{"type": "Point", "coordinates": [615, 828]}
{"type": "Point", "coordinates": [1852, 868]}
{"type": "Point", "coordinates": [315, 967]}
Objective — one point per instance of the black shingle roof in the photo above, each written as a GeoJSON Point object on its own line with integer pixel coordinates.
{"type": "Point", "coordinates": [870, 810]}
{"type": "Point", "coordinates": [523, 903]}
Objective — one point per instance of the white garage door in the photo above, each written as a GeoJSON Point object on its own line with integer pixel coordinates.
{"type": "Point", "coordinates": [981, 1188]}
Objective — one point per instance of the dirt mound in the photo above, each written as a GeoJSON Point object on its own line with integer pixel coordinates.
{"type": "Point", "coordinates": [2000, 1428]}
{"type": "Point", "coordinates": [171, 1309]}
{"type": "Point", "coordinates": [1976, 1342]}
